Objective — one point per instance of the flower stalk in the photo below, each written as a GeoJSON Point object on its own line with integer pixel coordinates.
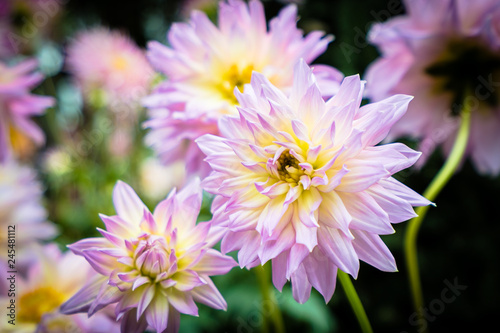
{"type": "Point", "coordinates": [355, 302]}
{"type": "Point", "coordinates": [431, 193]}
{"type": "Point", "coordinates": [268, 297]}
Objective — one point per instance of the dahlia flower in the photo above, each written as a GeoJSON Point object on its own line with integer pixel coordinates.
{"type": "Point", "coordinates": [446, 54]}
{"type": "Point", "coordinates": [50, 281]}
{"type": "Point", "coordinates": [109, 67]}
{"type": "Point", "coordinates": [154, 266]}
{"type": "Point", "coordinates": [205, 63]}
{"type": "Point", "coordinates": [21, 206]}
{"type": "Point", "coordinates": [299, 181]}
{"type": "Point", "coordinates": [17, 104]}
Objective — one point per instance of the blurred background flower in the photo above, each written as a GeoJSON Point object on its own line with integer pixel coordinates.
{"type": "Point", "coordinates": [51, 280]}
{"type": "Point", "coordinates": [17, 105]}
{"type": "Point", "coordinates": [204, 63]}
{"type": "Point", "coordinates": [447, 55]}
{"type": "Point", "coordinates": [21, 205]}
{"type": "Point", "coordinates": [110, 68]}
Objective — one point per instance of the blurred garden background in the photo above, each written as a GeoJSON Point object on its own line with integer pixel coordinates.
{"type": "Point", "coordinates": [89, 147]}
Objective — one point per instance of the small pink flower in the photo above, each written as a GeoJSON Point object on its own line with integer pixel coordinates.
{"type": "Point", "coordinates": [299, 181]}
{"type": "Point", "coordinates": [446, 54]}
{"type": "Point", "coordinates": [154, 266]}
{"type": "Point", "coordinates": [17, 104]}
{"type": "Point", "coordinates": [110, 63]}
{"type": "Point", "coordinates": [205, 64]}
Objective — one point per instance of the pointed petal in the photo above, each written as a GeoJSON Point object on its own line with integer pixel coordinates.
{"type": "Point", "coordinates": [366, 213]}
{"type": "Point", "coordinates": [174, 320]}
{"type": "Point", "coordinates": [101, 262]}
{"type": "Point", "coordinates": [272, 248]}
{"type": "Point", "coordinates": [339, 249]}
{"type": "Point", "coordinates": [303, 234]}
{"type": "Point", "coordinates": [214, 263]}
{"type": "Point", "coordinates": [209, 295]}
{"type": "Point", "coordinates": [130, 300]}
{"type": "Point", "coordinates": [187, 280]}
{"type": "Point", "coordinates": [333, 212]}
{"type": "Point", "coordinates": [89, 243]}
{"type": "Point", "coordinates": [298, 253]}
{"type": "Point", "coordinates": [157, 314]}
{"type": "Point", "coordinates": [81, 301]}
{"type": "Point", "coordinates": [362, 174]}
{"type": "Point", "coordinates": [308, 204]}
{"type": "Point", "coordinates": [116, 225]}
{"type": "Point", "coordinates": [279, 270]}
{"type": "Point", "coordinates": [139, 282]}
{"type": "Point", "coordinates": [127, 204]}
{"type": "Point", "coordinates": [130, 324]}
{"type": "Point", "coordinates": [321, 273]}
{"type": "Point", "coordinates": [301, 288]}
{"type": "Point", "coordinates": [372, 250]}
{"type": "Point", "coordinates": [107, 295]}
{"type": "Point", "coordinates": [399, 210]}
{"type": "Point", "coordinates": [183, 302]}
{"type": "Point", "coordinates": [146, 299]}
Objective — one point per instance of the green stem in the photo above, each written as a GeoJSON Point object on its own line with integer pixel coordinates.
{"type": "Point", "coordinates": [355, 302]}
{"type": "Point", "coordinates": [51, 122]}
{"type": "Point", "coordinates": [437, 184]}
{"type": "Point", "coordinates": [270, 305]}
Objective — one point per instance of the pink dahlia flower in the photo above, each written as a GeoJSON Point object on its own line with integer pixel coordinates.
{"type": "Point", "coordinates": [17, 104]}
{"type": "Point", "coordinates": [154, 266]}
{"type": "Point", "coordinates": [446, 54]}
{"type": "Point", "coordinates": [108, 65]}
{"type": "Point", "coordinates": [299, 181]}
{"type": "Point", "coordinates": [204, 64]}
{"type": "Point", "coordinates": [51, 280]}
{"type": "Point", "coordinates": [21, 206]}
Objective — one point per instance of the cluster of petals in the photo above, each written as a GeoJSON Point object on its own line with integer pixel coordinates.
{"type": "Point", "coordinates": [204, 63]}
{"type": "Point", "coordinates": [302, 182]}
{"type": "Point", "coordinates": [49, 281]}
{"type": "Point", "coordinates": [17, 104]}
{"type": "Point", "coordinates": [447, 54]}
{"type": "Point", "coordinates": [21, 206]}
{"type": "Point", "coordinates": [154, 266]}
{"type": "Point", "coordinates": [107, 61]}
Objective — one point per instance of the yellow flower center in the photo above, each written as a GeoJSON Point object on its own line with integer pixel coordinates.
{"type": "Point", "coordinates": [33, 305]}
{"type": "Point", "coordinates": [119, 63]}
{"type": "Point", "coordinates": [235, 77]}
{"type": "Point", "coordinates": [288, 168]}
